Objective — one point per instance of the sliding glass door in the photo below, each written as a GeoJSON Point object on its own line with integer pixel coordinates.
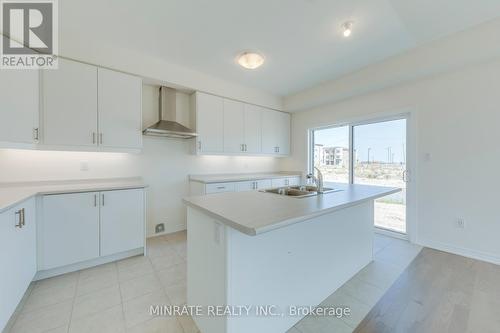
{"type": "Point", "coordinates": [370, 153]}
{"type": "Point", "coordinates": [380, 150]}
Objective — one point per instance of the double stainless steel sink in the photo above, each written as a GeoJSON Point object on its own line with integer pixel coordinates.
{"type": "Point", "coordinates": [299, 191]}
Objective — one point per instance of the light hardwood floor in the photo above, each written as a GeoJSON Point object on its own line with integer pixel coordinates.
{"type": "Point", "coordinates": [361, 292]}
{"type": "Point", "coordinates": [439, 292]}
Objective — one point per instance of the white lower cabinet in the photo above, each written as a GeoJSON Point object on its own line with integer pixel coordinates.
{"type": "Point", "coordinates": [70, 229]}
{"type": "Point", "coordinates": [121, 221]}
{"type": "Point", "coordinates": [17, 256]}
{"type": "Point", "coordinates": [291, 181]}
{"type": "Point", "coordinates": [83, 226]}
{"type": "Point", "coordinates": [197, 188]}
{"type": "Point", "coordinates": [253, 185]}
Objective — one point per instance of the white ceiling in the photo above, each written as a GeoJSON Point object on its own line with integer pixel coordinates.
{"type": "Point", "coordinates": [301, 39]}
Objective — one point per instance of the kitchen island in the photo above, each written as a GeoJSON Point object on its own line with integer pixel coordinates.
{"type": "Point", "coordinates": [267, 253]}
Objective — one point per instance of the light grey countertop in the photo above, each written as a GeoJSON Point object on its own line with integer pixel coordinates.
{"type": "Point", "coordinates": [255, 212]}
{"type": "Point", "coordinates": [239, 177]}
{"type": "Point", "coordinates": [13, 193]}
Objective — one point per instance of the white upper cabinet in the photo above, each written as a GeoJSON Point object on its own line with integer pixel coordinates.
{"type": "Point", "coordinates": [253, 129]}
{"type": "Point", "coordinates": [284, 133]}
{"type": "Point", "coordinates": [234, 126]}
{"type": "Point", "coordinates": [209, 123]}
{"type": "Point", "coordinates": [70, 105]}
{"type": "Point", "coordinates": [86, 106]}
{"type": "Point", "coordinates": [242, 127]}
{"type": "Point", "coordinates": [19, 106]}
{"type": "Point", "coordinates": [275, 133]}
{"type": "Point", "coordinates": [270, 132]}
{"type": "Point", "coordinates": [119, 109]}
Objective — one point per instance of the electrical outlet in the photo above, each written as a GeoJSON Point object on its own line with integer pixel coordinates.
{"type": "Point", "coordinates": [460, 223]}
{"type": "Point", "coordinates": [160, 227]}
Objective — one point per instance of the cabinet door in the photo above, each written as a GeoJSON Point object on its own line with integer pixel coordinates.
{"type": "Point", "coordinates": [279, 182]}
{"type": "Point", "coordinates": [246, 186]}
{"type": "Point", "coordinates": [234, 126]}
{"type": "Point", "coordinates": [119, 109]}
{"type": "Point", "coordinates": [253, 129]}
{"type": "Point", "coordinates": [264, 183]}
{"type": "Point", "coordinates": [270, 131]}
{"type": "Point", "coordinates": [19, 105]}
{"type": "Point", "coordinates": [70, 229]}
{"type": "Point", "coordinates": [209, 123]}
{"type": "Point", "coordinates": [17, 256]}
{"type": "Point", "coordinates": [70, 104]}
{"type": "Point", "coordinates": [122, 221]}
{"type": "Point", "coordinates": [284, 133]}
{"type": "Point", "coordinates": [293, 181]}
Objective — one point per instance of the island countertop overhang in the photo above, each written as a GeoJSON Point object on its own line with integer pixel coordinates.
{"type": "Point", "coordinates": [254, 212]}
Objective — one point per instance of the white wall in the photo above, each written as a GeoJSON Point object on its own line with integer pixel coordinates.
{"type": "Point", "coordinates": [472, 46]}
{"type": "Point", "coordinates": [457, 123]}
{"type": "Point", "coordinates": [164, 164]}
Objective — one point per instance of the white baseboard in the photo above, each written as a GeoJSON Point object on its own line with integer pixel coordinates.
{"type": "Point", "coordinates": [86, 264]}
{"type": "Point", "coordinates": [461, 251]}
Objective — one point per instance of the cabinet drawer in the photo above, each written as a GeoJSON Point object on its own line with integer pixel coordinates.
{"type": "Point", "coordinates": [219, 188]}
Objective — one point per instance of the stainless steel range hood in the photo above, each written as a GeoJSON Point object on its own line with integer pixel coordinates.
{"type": "Point", "coordinates": [168, 126]}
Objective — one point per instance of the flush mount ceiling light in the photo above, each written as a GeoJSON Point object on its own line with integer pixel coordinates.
{"type": "Point", "coordinates": [250, 60]}
{"type": "Point", "coordinates": [347, 28]}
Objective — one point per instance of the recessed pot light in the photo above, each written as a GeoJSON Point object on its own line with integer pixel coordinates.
{"type": "Point", "coordinates": [250, 60]}
{"type": "Point", "coordinates": [347, 28]}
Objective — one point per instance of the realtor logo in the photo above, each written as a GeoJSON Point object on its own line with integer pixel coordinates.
{"type": "Point", "coordinates": [29, 34]}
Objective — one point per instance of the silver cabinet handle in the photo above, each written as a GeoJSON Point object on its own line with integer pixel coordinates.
{"type": "Point", "coordinates": [20, 218]}
{"type": "Point", "coordinates": [36, 134]}
{"type": "Point", "coordinates": [246, 147]}
{"type": "Point", "coordinates": [23, 217]}
{"type": "Point", "coordinates": [102, 203]}
{"type": "Point", "coordinates": [95, 200]}
{"type": "Point", "coordinates": [100, 138]}
{"type": "Point", "coordinates": [199, 145]}
{"type": "Point", "coordinates": [93, 138]}
{"type": "Point", "coordinates": [278, 149]}
{"type": "Point", "coordinates": [242, 147]}
{"type": "Point", "coordinates": [221, 187]}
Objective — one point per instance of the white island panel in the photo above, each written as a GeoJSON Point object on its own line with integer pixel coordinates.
{"type": "Point", "coordinates": [299, 265]}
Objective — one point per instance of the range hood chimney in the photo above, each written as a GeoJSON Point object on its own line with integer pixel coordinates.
{"type": "Point", "coordinates": [168, 126]}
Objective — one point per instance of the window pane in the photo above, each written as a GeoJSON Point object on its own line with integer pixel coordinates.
{"type": "Point", "coordinates": [331, 153]}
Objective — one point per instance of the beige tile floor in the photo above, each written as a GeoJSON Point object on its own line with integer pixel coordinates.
{"type": "Point", "coordinates": [115, 297]}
